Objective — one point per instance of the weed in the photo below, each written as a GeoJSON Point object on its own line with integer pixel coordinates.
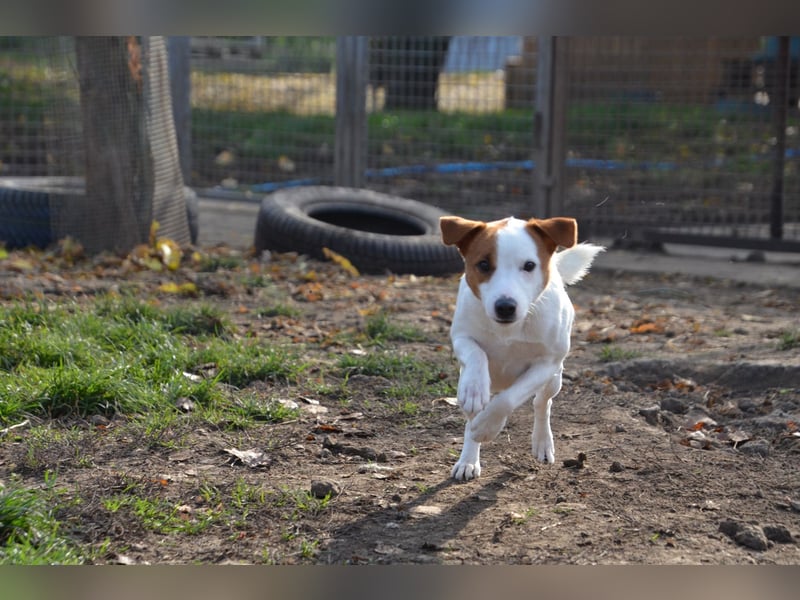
{"type": "Point", "coordinates": [521, 519]}
{"type": "Point", "coordinates": [302, 502]}
{"type": "Point", "coordinates": [209, 264]}
{"type": "Point", "coordinates": [380, 329]}
{"type": "Point", "coordinates": [789, 340]}
{"type": "Point", "coordinates": [308, 549]}
{"type": "Point", "coordinates": [244, 494]}
{"type": "Point", "coordinates": [161, 516]}
{"type": "Point", "coordinates": [610, 353]}
{"type": "Point", "coordinates": [278, 310]}
{"type": "Point", "coordinates": [408, 408]}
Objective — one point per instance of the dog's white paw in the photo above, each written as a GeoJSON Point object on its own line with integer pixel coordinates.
{"type": "Point", "coordinates": [473, 391]}
{"type": "Point", "coordinates": [542, 446]}
{"type": "Point", "coordinates": [487, 424]}
{"type": "Point", "coordinates": [465, 470]}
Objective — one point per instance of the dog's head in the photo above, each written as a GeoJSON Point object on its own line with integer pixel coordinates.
{"type": "Point", "coordinates": [507, 262]}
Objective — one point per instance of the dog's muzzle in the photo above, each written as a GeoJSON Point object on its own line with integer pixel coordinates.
{"type": "Point", "coordinates": [505, 310]}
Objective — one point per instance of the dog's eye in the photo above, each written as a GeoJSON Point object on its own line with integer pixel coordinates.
{"type": "Point", "coordinates": [529, 266]}
{"type": "Point", "coordinates": [484, 266]}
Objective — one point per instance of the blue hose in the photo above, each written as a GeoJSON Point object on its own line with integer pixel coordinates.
{"type": "Point", "coordinates": [598, 164]}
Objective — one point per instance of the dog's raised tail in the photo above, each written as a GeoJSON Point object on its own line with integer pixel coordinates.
{"type": "Point", "coordinates": [573, 263]}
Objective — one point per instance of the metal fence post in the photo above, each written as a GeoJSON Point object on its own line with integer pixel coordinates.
{"type": "Point", "coordinates": [350, 155]}
{"type": "Point", "coordinates": [179, 52]}
{"type": "Point", "coordinates": [549, 126]}
{"type": "Point", "coordinates": [780, 106]}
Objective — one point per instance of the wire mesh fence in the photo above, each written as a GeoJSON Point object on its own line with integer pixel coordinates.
{"type": "Point", "coordinates": [661, 136]}
{"type": "Point", "coordinates": [91, 118]}
{"type": "Point", "coordinates": [674, 137]}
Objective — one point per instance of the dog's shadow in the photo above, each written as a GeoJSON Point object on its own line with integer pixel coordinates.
{"type": "Point", "coordinates": [421, 530]}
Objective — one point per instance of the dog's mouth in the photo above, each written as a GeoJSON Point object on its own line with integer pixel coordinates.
{"type": "Point", "coordinates": [505, 320]}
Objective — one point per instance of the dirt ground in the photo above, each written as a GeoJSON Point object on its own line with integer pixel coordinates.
{"type": "Point", "coordinates": [682, 393]}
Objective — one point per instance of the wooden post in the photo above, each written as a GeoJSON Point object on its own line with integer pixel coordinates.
{"type": "Point", "coordinates": [350, 155]}
{"type": "Point", "coordinates": [180, 53]}
{"type": "Point", "coordinates": [549, 127]}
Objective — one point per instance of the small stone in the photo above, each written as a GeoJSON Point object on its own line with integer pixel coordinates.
{"type": "Point", "coordinates": [619, 428]}
{"type": "Point", "coordinates": [99, 421]}
{"type": "Point", "coordinates": [184, 404]}
{"type": "Point", "coordinates": [745, 535]}
{"type": "Point", "coordinates": [751, 537]}
{"type": "Point", "coordinates": [755, 448]}
{"type": "Point", "coordinates": [321, 488]}
{"type": "Point", "coordinates": [729, 527]}
{"type": "Point", "coordinates": [778, 534]}
{"type": "Point", "coordinates": [674, 405]}
{"type": "Point", "coordinates": [425, 510]}
{"type": "Point", "coordinates": [650, 414]}
{"type": "Point", "coordinates": [616, 467]}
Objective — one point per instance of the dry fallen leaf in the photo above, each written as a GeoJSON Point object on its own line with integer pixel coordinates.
{"type": "Point", "coordinates": [340, 260]}
{"type": "Point", "coordinates": [250, 458]}
{"type": "Point", "coordinates": [169, 252]}
{"type": "Point", "coordinates": [645, 326]}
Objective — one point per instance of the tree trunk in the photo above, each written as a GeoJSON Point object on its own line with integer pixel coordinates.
{"type": "Point", "coordinates": [116, 211]}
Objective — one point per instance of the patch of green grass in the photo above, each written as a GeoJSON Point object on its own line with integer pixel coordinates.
{"type": "Point", "coordinates": [411, 378]}
{"type": "Point", "coordinates": [45, 448]}
{"type": "Point", "coordinates": [301, 503]}
{"type": "Point", "coordinates": [123, 355]}
{"type": "Point", "coordinates": [29, 532]}
{"type": "Point", "coordinates": [408, 408]}
{"type": "Point", "coordinates": [279, 310]}
{"type": "Point", "coordinates": [161, 516]}
{"type": "Point", "coordinates": [609, 353]}
{"type": "Point", "coordinates": [244, 412]}
{"type": "Point", "coordinates": [212, 263]}
{"type": "Point", "coordinates": [245, 361]}
{"type": "Point", "coordinates": [195, 320]}
{"type": "Point", "coordinates": [789, 340]}
{"type": "Point", "coordinates": [386, 364]}
{"type": "Point", "coordinates": [379, 328]}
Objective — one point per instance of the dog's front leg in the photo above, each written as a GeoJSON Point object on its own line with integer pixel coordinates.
{"type": "Point", "coordinates": [473, 382]}
{"type": "Point", "coordinates": [469, 463]}
{"type": "Point", "coordinates": [543, 381]}
{"type": "Point", "coordinates": [474, 385]}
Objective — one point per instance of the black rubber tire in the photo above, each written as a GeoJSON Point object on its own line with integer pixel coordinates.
{"type": "Point", "coordinates": [377, 232]}
{"type": "Point", "coordinates": [26, 205]}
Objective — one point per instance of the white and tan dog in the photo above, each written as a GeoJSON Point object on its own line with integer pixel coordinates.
{"type": "Point", "coordinates": [512, 324]}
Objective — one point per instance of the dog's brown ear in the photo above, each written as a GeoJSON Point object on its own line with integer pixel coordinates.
{"type": "Point", "coordinates": [459, 232]}
{"type": "Point", "coordinates": [558, 231]}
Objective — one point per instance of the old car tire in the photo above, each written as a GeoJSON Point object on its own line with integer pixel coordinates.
{"type": "Point", "coordinates": [28, 206]}
{"type": "Point", "coordinates": [377, 232]}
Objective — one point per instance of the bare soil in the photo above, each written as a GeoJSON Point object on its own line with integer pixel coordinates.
{"type": "Point", "coordinates": [683, 395]}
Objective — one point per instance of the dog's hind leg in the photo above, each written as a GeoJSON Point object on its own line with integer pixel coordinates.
{"type": "Point", "coordinates": [469, 463]}
{"type": "Point", "coordinates": [542, 444]}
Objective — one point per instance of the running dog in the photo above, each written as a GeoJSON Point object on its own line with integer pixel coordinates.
{"type": "Point", "coordinates": [512, 324]}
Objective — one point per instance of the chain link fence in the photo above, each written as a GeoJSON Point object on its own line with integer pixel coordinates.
{"type": "Point", "coordinates": [663, 139]}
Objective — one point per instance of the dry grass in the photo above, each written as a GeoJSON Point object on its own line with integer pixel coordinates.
{"type": "Point", "coordinates": [315, 93]}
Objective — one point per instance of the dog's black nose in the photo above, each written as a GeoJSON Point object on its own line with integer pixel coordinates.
{"type": "Point", "coordinates": [505, 309]}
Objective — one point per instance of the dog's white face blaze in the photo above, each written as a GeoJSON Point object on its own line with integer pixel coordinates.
{"type": "Point", "coordinates": [519, 273]}
{"type": "Point", "coordinates": [506, 262]}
